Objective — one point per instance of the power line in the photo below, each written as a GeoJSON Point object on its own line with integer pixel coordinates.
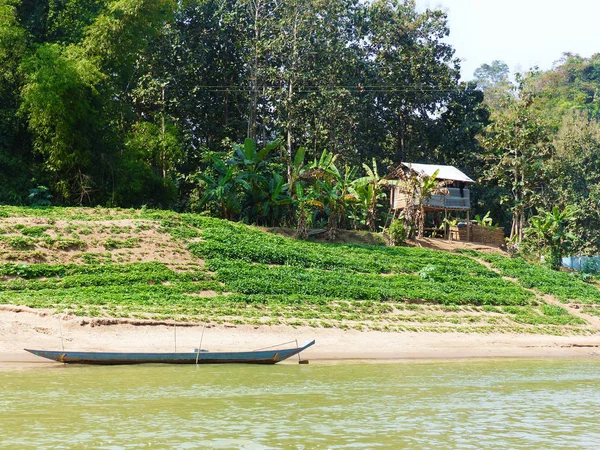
{"type": "Point", "coordinates": [313, 89]}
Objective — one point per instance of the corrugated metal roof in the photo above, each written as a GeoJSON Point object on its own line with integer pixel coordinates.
{"type": "Point", "coordinates": [445, 172]}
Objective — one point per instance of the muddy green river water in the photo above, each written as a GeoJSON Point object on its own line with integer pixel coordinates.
{"type": "Point", "coordinates": [538, 404]}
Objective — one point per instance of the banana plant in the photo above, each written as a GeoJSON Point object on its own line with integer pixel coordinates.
{"type": "Point", "coordinates": [449, 223]}
{"type": "Point", "coordinates": [249, 157]}
{"type": "Point", "coordinates": [486, 221]}
{"type": "Point", "coordinates": [374, 191]}
{"type": "Point", "coordinates": [548, 232]}
{"type": "Point", "coordinates": [305, 200]}
{"type": "Point", "coordinates": [222, 189]}
{"type": "Point", "coordinates": [337, 195]}
{"type": "Point", "coordinates": [275, 197]}
{"type": "Point", "coordinates": [419, 188]}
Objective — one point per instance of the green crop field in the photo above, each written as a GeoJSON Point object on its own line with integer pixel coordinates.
{"type": "Point", "coordinates": [142, 264]}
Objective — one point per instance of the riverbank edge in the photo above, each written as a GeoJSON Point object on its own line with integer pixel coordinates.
{"type": "Point", "coordinates": [22, 328]}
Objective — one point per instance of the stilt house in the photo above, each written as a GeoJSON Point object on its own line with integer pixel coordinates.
{"type": "Point", "coordinates": [456, 183]}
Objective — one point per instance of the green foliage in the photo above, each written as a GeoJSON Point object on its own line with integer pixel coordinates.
{"type": "Point", "coordinates": [260, 279]}
{"type": "Point", "coordinates": [398, 232]}
{"type": "Point", "coordinates": [486, 221]}
{"type": "Point", "coordinates": [561, 285]}
{"type": "Point", "coordinates": [590, 266]}
{"type": "Point", "coordinates": [20, 243]}
{"type": "Point", "coordinates": [113, 244]}
{"type": "Point", "coordinates": [517, 143]}
{"type": "Point", "coordinates": [137, 287]}
{"type": "Point", "coordinates": [151, 156]}
{"type": "Point", "coordinates": [69, 244]}
{"type": "Point", "coordinates": [183, 232]}
{"type": "Point", "coordinates": [96, 258]}
{"type": "Point", "coordinates": [575, 172]}
{"type": "Point", "coordinates": [369, 190]}
{"type": "Point", "coordinates": [250, 276]}
{"type": "Point", "coordinates": [101, 101]}
{"type": "Point", "coordinates": [244, 260]}
{"type": "Point", "coordinates": [229, 241]}
{"type": "Point", "coordinates": [58, 100]}
{"type": "Point", "coordinates": [40, 196]}
{"type": "Point", "coordinates": [569, 87]}
{"type": "Point", "coordinates": [35, 231]}
{"type": "Point", "coordinates": [548, 233]}
{"type": "Point", "coordinates": [553, 310]}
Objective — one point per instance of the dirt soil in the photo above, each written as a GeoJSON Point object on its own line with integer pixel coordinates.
{"type": "Point", "coordinates": [450, 246]}
{"type": "Point", "coordinates": [140, 241]}
{"type": "Point", "coordinates": [369, 238]}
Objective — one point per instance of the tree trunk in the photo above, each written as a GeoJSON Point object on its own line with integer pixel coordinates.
{"type": "Point", "coordinates": [290, 97]}
{"type": "Point", "coordinates": [301, 230]}
{"type": "Point", "coordinates": [372, 213]}
{"type": "Point", "coordinates": [289, 137]}
{"type": "Point", "coordinates": [252, 113]}
{"type": "Point", "coordinates": [421, 222]}
{"type": "Point", "coordinates": [163, 155]}
{"type": "Point", "coordinates": [332, 226]}
{"type": "Point", "coordinates": [401, 138]}
{"type": "Point", "coordinates": [226, 110]}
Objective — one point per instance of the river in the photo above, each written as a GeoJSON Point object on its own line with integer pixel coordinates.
{"type": "Point", "coordinates": [543, 403]}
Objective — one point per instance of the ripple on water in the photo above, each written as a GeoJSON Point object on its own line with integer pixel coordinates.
{"type": "Point", "coordinates": [472, 404]}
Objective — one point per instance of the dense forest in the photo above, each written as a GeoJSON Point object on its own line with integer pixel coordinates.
{"type": "Point", "coordinates": [286, 112]}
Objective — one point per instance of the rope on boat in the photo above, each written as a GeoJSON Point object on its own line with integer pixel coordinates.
{"type": "Point", "coordinates": [299, 360]}
{"type": "Point", "coordinates": [62, 341]}
{"type": "Point", "coordinates": [200, 346]}
{"type": "Point", "coordinates": [278, 345]}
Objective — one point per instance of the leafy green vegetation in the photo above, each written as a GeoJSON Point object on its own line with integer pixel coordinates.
{"type": "Point", "coordinates": [20, 243]}
{"type": "Point", "coordinates": [112, 244]}
{"type": "Point", "coordinates": [241, 274]}
{"type": "Point", "coordinates": [36, 231]}
{"type": "Point", "coordinates": [567, 287]}
{"type": "Point", "coordinates": [91, 117]}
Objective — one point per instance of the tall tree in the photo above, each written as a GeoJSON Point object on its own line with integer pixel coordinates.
{"type": "Point", "coordinates": [494, 80]}
{"type": "Point", "coordinates": [414, 71]}
{"type": "Point", "coordinates": [14, 161]}
{"type": "Point", "coordinates": [517, 142]}
{"type": "Point", "coordinates": [574, 169]}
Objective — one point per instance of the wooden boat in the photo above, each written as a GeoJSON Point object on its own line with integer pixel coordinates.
{"type": "Point", "coordinates": [266, 356]}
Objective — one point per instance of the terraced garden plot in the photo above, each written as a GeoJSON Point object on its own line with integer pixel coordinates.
{"type": "Point", "coordinates": [218, 271]}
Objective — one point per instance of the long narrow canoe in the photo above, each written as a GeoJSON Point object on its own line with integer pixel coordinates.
{"type": "Point", "coordinates": [270, 356]}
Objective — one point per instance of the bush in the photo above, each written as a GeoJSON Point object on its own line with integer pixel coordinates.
{"type": "Point", "coordinates": [21, 243]}
{"type": "Point", "coordinates": [34, 231]}
{"type": "Point", "coordinates": [590, 266]}
{"type": "Point", "coordinates": [398, 232]}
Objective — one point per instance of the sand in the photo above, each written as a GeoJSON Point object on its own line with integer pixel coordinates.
{"type": "Point", "coordinates": [25, 328]}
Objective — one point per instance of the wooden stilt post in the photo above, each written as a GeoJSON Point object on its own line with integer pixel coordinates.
{"type": "Point", "coordinates": [446, 229]}
{"type": "Point", "coordinates": [468, 225]}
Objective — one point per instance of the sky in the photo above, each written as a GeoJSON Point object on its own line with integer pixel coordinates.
{"type": "Point", "coordinates": [522, 33]}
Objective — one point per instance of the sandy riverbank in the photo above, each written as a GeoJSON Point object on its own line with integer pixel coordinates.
{"type": "Point", "coordinates": [22, 328]}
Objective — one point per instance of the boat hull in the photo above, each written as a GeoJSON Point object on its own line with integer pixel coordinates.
{"type": "Point", "coordinates": [115, 358]}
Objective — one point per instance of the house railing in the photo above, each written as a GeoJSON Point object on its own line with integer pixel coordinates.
{"type": "Point", "coordinates": [456, 199]}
